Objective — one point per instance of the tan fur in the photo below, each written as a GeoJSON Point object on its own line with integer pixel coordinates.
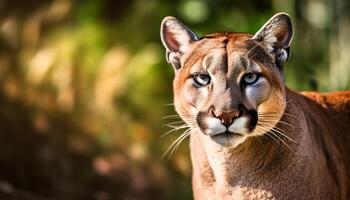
{"type": "Point", "coordinates": [300, 146]}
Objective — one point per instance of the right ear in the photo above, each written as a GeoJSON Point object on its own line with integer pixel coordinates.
{"type": "Point", "coordinates": [276, 36]}
{"type": "Point", "coordinates": [176, 38]}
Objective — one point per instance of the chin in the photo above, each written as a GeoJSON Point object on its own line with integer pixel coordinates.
{"type": "Point", "coordinates": [228, 140]}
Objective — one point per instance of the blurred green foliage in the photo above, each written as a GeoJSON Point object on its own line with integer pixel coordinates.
{"type": "Point", "coordinates": [84, 87]}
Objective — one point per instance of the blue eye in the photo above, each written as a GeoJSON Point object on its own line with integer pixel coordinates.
{"type": "Point", "coordinates": [250, 78]}
{"type": "Point", "coordinates": [201, 79]}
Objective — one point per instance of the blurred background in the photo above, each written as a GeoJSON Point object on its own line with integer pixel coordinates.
{"type": "Point", "coordinates": [84, 89]}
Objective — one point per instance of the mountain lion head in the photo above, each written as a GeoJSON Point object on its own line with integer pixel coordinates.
{"type": "Point", "coordinates": [229, 86]}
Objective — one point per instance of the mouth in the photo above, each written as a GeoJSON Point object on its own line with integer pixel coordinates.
{"type": "Point", "coordinates": [226, 134]}
{"type": "Point", "coordinates": [228, 139]}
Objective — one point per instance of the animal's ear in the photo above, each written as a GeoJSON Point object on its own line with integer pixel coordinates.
{"type": "Point", "coordinates": [275, 36]}
{"type": "Point", "coordinates": [176, 38]}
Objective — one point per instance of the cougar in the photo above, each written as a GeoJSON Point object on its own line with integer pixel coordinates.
{"type": "Point", "coordinates": [250, 136]}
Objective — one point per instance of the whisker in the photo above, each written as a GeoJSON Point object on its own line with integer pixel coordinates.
{"type": "Point", "coordinates": [168, 104]}
{"type": "Point", "coordinates": [177, 140]}
{"type": "Point", "coordinates": [175, 123]}
{"type": "Point", "coordinates": [274, 132]}
{"type": "Point", "coordinates": [259, 130]}
{"type": "Point", "coordinates": [280, 131]}
{"type": "Point", "coordinates": [177, 126]}
{"type": "Point", "coordinates": [183, 138]}
{"type": "Point", "coordinates": [285, 113]}
{"type": "Point", "coordinates": [268, 114]}
{"type": "Point", "coordinates": [280, 139]}
{"type": "Point", "coordinates": [286, 123]}
{"type": "Point", "coordinates": [176, 143]}
{"type": "Point", "coordinates": [268, 134]}
{"type": "Point", "coordinates": [276, 121]}
{"type": "Point", "coordinates": [274, 114]}
{"type": "Point", "coordinates": [171, 116]}
{"type": "Point", "coordinates": [173, 130]}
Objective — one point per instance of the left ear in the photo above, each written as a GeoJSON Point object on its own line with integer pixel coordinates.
{"type": "Point", "coordinates": [275, 36]}
{"type": "Point", "coordinates": [177, 39]}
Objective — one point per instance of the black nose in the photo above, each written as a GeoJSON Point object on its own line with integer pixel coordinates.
{"type": "Point", "coordinates": [227, 118]}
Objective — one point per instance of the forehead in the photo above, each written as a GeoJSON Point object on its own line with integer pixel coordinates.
{"type": "Point", "coordinates": [226, 53]}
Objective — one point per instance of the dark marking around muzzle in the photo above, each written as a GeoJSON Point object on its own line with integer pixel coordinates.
{"type": "Point", "coordinates": [253, 116]}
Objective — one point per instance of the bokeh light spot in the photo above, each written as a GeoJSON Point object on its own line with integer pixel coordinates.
{"type": "Point", "coordinates": [194, 11]}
